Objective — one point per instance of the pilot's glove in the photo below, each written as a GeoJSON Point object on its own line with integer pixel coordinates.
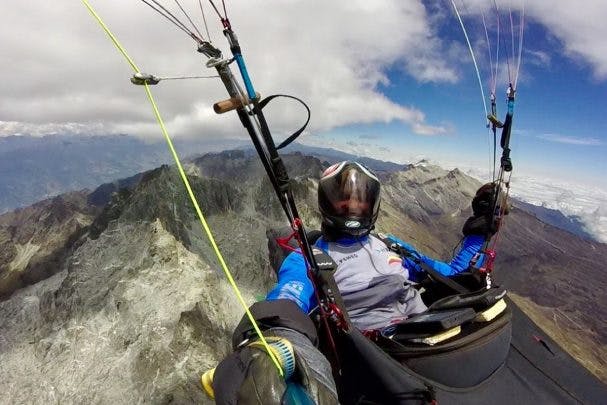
{"type": "Point", "coordinates": [483, 220]}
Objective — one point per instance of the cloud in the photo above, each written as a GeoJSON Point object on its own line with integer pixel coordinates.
{"type": "Point", "coordinates": [422, 129]}
{"type": "Point", "coordinates": [371, 136]}
{"type": "Point", "coordinates": [334, 55]}
{"type": "Point", "coordinates": [52, 128]}
{"type": "Point", "coordinates": [586, 204]}
{"type": "Point", "coordinates": [537, 57]}
{"type": "Point", "coordinates": [579, 26]}
{"type": "Point", "coordinates": [571, 140]}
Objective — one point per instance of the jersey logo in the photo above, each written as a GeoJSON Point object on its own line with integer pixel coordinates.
{"type": "Point", "coordinates": [293, 289]}
{"type": "Point", "coordinates": [345, 258]}
{"type": "Point", "coordinates": [394, 260]}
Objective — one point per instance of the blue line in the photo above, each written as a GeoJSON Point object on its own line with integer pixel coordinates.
{"type": "Point", "coordinates": [510, 107]}
{"type": "Point", "coordinates": [245, 76]}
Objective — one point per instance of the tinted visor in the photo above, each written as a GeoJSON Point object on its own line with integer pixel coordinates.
{"type": "Point", "coordinates": [350, 191]}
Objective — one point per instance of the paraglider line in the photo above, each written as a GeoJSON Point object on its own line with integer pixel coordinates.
{"type": "Point", "coordinates": [520, 44]}
{"type": "Point", "coordinates": [112, 37]}
{"type": "Point", "coordinates": [188, 77]}
{"type": "Point", "coordinates": [169, 16]}
{"type": "Point", "coordinates": [189, 19]}
{"type": "Point", "coordinates": [216, 10]}
{"type": "Point", "coordinates": [206, 27]}
{"type": "Point", "coordinates": [478, 75]}
{"type": "Point", "coordinates": [493, 79]}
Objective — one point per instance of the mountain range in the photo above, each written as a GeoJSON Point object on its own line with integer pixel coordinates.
{"type": "Point", "coordinates": [115, 295]}
{"type": "Point", "coordinates": [35, 168]}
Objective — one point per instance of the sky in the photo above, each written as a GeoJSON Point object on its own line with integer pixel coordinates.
{"type": "Point", "coordinates": [389, 79]}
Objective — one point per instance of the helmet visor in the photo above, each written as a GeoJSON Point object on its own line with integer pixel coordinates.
{"type": "Point", "coordinates": [350, 191]}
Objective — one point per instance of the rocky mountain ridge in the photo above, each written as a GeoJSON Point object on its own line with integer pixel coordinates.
{"type": "Point", "coordinates": [34, 168]}
{"type": "Point", "coordinates": [134, 306]}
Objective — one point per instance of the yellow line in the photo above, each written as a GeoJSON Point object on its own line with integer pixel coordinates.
{"type": "Point", "coordinates": [203, 222]}
{"type": "Point", "coordinates": [112, 37]}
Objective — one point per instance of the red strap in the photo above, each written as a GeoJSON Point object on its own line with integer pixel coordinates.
{"type": "Point", "coordinates": [488, 267]}
{"type": "Point", "coordinates": [284, 242]}
{"type": "Point", "coordinates": [338, 316]}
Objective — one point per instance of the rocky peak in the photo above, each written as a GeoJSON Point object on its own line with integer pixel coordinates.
{"type": "Point", "coordinates": [240, 166]}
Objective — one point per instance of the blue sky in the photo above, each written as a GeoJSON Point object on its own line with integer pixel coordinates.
{"type": "Point", "coordinates": [560, 117]}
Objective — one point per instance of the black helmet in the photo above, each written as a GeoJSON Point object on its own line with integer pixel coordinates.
{"type": "Point", "coordinates": [348, 198]}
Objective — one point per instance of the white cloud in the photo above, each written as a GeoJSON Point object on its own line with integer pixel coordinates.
{"type": "Point", "coordinates": [537, 57]}
{"type": "Point", "coordinates": [422, 129]}
{"type": "Point", "coordinates": [579, 26]}
{"type": "Point", "coordinates": [334, 55]}
{"type": "Point", "coordinates": [52, 128]}
{"type": "Point", "coordinates": [571, 140]}
{"type": "Point", "coordinates": [588, 204]}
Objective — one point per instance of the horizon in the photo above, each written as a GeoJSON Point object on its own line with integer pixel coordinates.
{"type": "Point", "coordinates": [586, 206]}
{"type": "Point", "coordinates": [219, 145]}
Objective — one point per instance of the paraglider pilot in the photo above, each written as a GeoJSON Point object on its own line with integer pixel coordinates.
{"type": "Point", "coordinates": [374, 282]}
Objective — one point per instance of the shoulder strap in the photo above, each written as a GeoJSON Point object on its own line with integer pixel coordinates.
{"type": "Point", "coordinates": [405, 253]}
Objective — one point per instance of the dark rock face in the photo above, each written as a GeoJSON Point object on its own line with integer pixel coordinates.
{"type": "Point", "coordinates": [35, 240]}
{"type": "Point", "coordinates": [127, 302]}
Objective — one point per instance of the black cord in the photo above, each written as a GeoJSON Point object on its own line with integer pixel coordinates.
{"type": "Point", "coordinates": [169, 16]}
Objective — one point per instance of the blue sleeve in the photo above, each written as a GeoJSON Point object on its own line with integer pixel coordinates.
{"type": "Point", "coordinates": [293, 283]}
{"type": "Point", "coordinates": [471, 245]}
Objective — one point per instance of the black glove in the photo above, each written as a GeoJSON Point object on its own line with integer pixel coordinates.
{"type": "Point", "coordinates": [249, 376]}
{"type": "Point", "coordinates": [483, 201]}
{"type": "Point", "coordinates": [483, 221]}
{"type": "Point", "coordinates": [484, 226]}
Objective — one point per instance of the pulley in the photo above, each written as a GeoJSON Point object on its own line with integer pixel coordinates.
{"type": "Point", "coordinates": [140, 79]}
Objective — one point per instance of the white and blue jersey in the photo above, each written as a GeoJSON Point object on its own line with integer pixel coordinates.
{"type": "Point", "coordinates": [374, 282]}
